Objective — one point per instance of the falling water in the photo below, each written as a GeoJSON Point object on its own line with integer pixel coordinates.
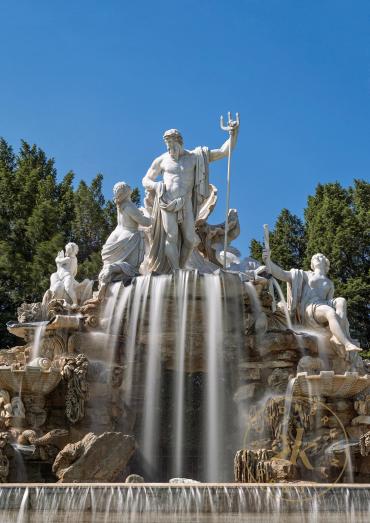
{"type": "Point", "coordinates": [38, 340]}
{"type": "Point", "coordinates": [115, 310]}
{"type": "Point", "coordinates": [181, 290]}
{"type": "Point", "coordinates": [283, 301]}
{"type": "Point", "coordinates": [193, 504]}
{"type": "Point", "coordinates": [214, 343]}
{"type": "Point", "coordinates": [150, 430]}
{"type": "Point", "coordinates": [137, 306]}
{"type": "Point", "coordinates": [287, 408]}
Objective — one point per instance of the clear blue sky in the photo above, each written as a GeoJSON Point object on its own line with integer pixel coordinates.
{"type": "Point", "coordinates": [95, 84]}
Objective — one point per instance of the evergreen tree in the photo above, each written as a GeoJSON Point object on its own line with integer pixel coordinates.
{"type": "Point", "coordinates": [287, 241]}
{"type": "Point", "coordinates": [29, 217]}
{"type": "Point", "coordinates": [93, 222]}
{"type": "Point", "coordinates": [135, 196]}
{"type": "Point", "coordinates": [255, 250]}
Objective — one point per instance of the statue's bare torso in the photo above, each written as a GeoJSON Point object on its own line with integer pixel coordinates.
{"type": "Point", "coordinates": [178, 175]}
{"type": "Point", "coordinates": [320, 286]}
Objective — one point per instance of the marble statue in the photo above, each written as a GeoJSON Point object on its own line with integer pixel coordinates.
{"type": "Point", "coordinates": [175, 203]}
{"type": "Point", "coordinates": [64, 277]}
{"type": "Point", "coordinates": [123, 252]}
{"type": "Point", "coordinates": [310, 298]}
{"type": "Point", "coordinates": [63, 283]}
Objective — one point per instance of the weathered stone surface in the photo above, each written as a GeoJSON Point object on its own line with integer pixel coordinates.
{"type": "Point", "coordinates": [283, 470]}
{"type": "Point", "coordinates": [245, 392]}
{"type": "Point", "coordinates": [310, 364]}
{"type": "Point", "coordinates": [278, 380]}
{"type": "Point", "coordinates": [94, 458]}
{"type": "Point", "coordinates": [134, 478]}
{"type": "Point", "coordinates": [282, 340]}
{"type": "Point", "coordinates": [274, 364]}
{"type": "Point", "coordinates": [361, 420]}
{"type": "Point", "coordinates": [252, 374]}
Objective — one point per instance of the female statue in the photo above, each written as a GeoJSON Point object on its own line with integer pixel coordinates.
{"type": "Point", "coordinates": [123, 251]}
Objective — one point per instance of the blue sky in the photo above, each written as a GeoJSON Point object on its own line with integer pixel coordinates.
{"type": "Point", "coordinates": [95, 84]}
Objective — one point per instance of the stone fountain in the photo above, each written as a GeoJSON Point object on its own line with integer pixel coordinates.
{"type": "Point", "coordinates": [182, 373]}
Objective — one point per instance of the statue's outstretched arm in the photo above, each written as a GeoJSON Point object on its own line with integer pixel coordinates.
{"type": "Point", "coordinates": [153, 172]}
{"type": "Point", "coordinates": [274, 269]}
{"type": "Point", "coordinates": [217, 154]}
{"type": "Point", "coordinates": [137, 215]}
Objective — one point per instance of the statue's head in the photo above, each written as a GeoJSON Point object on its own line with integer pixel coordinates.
{"type": "Point", "coordinates": [71, 249]}
{"type": "Point", "coordinates": [174, 141]}
{"type": "Point", "coordinates": [319, 259]}
{"type": "Point", "coordinates": [121, 191]}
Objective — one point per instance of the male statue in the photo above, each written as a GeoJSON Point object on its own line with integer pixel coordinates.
{"type": "Point", "coordinates": [175, 203]}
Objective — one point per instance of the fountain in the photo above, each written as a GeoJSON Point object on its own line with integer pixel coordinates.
{"type": "Point", "coordinates": [179, 390]}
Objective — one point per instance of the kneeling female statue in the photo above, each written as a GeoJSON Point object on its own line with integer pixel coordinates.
{"type": "Point", "coordinates": [310, 298]}
{"type": "Point", "coordinates": [123, 252]}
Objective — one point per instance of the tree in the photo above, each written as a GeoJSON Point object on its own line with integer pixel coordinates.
{"type": "Point", "coordinates": [135, 196]}
{"type": "Point", "coordinates": [287, 241]}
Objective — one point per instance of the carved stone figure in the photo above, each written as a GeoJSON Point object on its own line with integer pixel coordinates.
{"type": "Point", "coordinates": [123, 252]}
{"type": "Point", "coordinates": [63, 285]}
{"type": "Point", "coordinates": [35, 411]}
{"type": "Point", "coordinates": [66, 271]}
{"type": "Point", "coordinates": [74, 372]}
{"type": "Point", "coordinates": [29, 312]}
{"type": "Point", "coordinates": [18, 407]}
{"type": "Point", "coordinates": [310, 298]}
{"type": "Point", "coordinates": [212, 237]}
{"type": "Point", "coordinates": [4, 461]}
{"type": "Point", "coordinates": [176, 203]}
{"type": "Point", "coordinates": [47, 446]}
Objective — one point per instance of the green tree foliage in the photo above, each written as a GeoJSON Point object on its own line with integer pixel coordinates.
{"type": "Point", "coordinates": [255, 249]}
{"type": "Point", "coordinates": [38, 216]}
{"type": "Point", "coordinates": [287, 241]}
{"type": "Point", "coordinates": [336, 223]}
{"type": "Point", "coordinates": [135, 196]}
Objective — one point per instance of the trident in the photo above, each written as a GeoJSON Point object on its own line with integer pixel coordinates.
{"type": "Point", "coordinates": [229, 129]}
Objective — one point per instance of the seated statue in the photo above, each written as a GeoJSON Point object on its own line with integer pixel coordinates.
{"type": "Point", "coordinates": [123, 252]}
{"type": "Point", "coordinates": [310, 298]}
{"type": "Point", "coordinates": [66, 271]}
{"type": "Point", "coordinates": [63, 285]}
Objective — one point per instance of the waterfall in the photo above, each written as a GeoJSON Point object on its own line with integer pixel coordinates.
{"type": "Point", "coordinates": [150, 427]}
{"type": "Point", "coordinates": [214, 333]}
{"type": "Point", "coordinates": [283, 301]}
{"type": "Point", "coordinates": [181, 290]}
{"type": "Point", "coordinates": [229, 503]}
{"type": "Point", "coordinates": [137, 306]}
{"type": "Point", "coordinates": [38, 339]}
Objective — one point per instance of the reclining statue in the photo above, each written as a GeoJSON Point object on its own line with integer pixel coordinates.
{"type": "Point", "coordinates": [310, 298]}
{"type": "Point", "coordinates": [123, 252]}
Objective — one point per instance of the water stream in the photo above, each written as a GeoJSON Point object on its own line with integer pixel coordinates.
{"type": "Point", "coordinates": [158, 292]}
{"type": "Point", "coordinates": [191, 504]}
{"type": "Point", "coordinates": [181, 290]}
{"type": "Point", "coordinates": [214, 343]}
{"type": "Point", "coordinates": [38, 340]}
